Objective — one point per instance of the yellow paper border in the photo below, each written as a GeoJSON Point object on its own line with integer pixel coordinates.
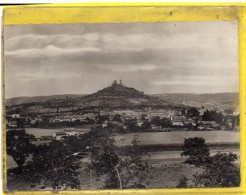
{"type": "Point", "coordinates": [141, 12]}
{"type": "Point", "coordinates": [106, 14]}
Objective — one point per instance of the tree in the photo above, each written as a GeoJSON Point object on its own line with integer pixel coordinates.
{"type": "Point", "coordinates": [118, 118]}
{"type": "Point", "coordinates": [102, 118]}
{"type": "Point", "coordinates": [19, 146]}
{"type": "Point", "coordinates": [78, 143]}
{"type": "Point", "coordinates": [165, 122]}
{"type": "Point", "coordinates": [183, 182]}
{"type": "Point", "coordinates": [104, 159]}
{"type": "Point", "coordinates": [124, 167]}
{"type": "Point", "coordinates": [103, 155]}
{"type": "Point", "coordinates": [146, 125]}
{"type": "Point", "coordinates": [45, 121]}
{"type": "Point", "coordinates": [212, 115]}
{"type": "Point", "coordinates": [193, 112]}
{"type": "Point", "coordinates": [233, 121]}
{"type": "Point", "coordinates": [132, 125]}
{"type": "Point", "coordinates": [228, 110]}
{"type": "Point", "coordinates": [196, 151]}
{"type": "Point", "coordinates": [132, 168]}
{"type": "Point", "coordinates": [219, 117]}
{"type": "Point", "coordinates": [143, 116]}
{"type": "Point", "coordinates": [156, 121]}
{"type": "Point", "coordinates": [53, 165]}
{"type": "Point", "coordinates": [220, 172]}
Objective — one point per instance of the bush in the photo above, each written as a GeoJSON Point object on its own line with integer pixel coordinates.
{"type": "Point", "coordinates": [196, 150]}
{"type": "Point", "coordinates": [220, 172]}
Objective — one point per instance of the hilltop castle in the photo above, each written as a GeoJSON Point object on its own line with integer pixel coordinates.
{"type": "Point", "coordinates": [115, 83]}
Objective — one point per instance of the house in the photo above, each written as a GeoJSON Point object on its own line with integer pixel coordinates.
{"type": "Point", "coordinates": [65, 119]}
{"type": "Point", "coordinates": [139, 123]}
{"type": "Point", "coordinates": [177, 120]}
{"type": "Point", "coordinates": [155, 127]}
{"type": "Point", "coordinates": [15, 115]}
{"type": "Point", "coordinates": [12, 124]}
{"type": "Point", "coordinates": [46, 137]}
{"type": "Point", "coordinates": [105, 124]}
{"type": "Point", "coordinates": [201, 111]}
{"type": "Point", "coordinates": [190, 122]}
{"type": "Point", "coordinates": [115, 124]}
{"type": "Point", "coordinates": [70, 132]}
{"type": "Point", "coordinates": [56, 120]}
{"type": "Point", "coordinates": [236, 112]}
{"type": "Point", "coordinates": [11, 164]}
{"type": "Point", "coordinates": [34, 121]}
{"type": "Point", "coordinates": [89, 115]}
{"type": "Point", "coordinates": [74, 119]}
{"type": "Point", "coordinates": [210, 124]}
{"type": "Point", "coordinates": [80, 131]}
{"type": "Point", "coordinates": [59, 135]}
{"type": "Point", "coordinates": [157, 113]}
{"type": "Point", "coordinates": [87, 128]}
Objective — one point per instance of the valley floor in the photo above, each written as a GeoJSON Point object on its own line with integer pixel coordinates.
{"type": "Point", "coordinates": [166, 170]}
{"type": "Point", "coordinates": [166, 165]}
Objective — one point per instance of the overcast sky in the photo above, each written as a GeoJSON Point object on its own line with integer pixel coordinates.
{"type": "Point", "coordinates": [167, 57]}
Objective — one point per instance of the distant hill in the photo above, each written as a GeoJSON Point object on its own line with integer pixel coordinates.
{"type": "Point", "coordinates": [118, 96]}
{"type": "Point", "coordinates": [27, 99]}
{"type": "Point", "coordinates": [192, 99]}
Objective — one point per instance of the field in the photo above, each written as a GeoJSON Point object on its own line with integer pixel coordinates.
{"type": "Point", "coordinates": [154, 141]}
{"type": "Point", "coordinates": [38, 132]}
{"type": "Point", "coordinates": [177, 137]}
{"type": "Point", "coordinates": [155, 138]}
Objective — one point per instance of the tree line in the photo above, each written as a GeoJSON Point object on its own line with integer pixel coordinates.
{"type": "Point", "coordinates": [58, 163]}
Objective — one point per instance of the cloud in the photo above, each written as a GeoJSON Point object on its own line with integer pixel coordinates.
{"type": "Point", "coordinates": [31, 41]}
{"type": "Point", "coordinates": [129, 67]}
{"type": "Point", "coordinates": [153, 57]}
{"type": "Point", "coordinates": [111, 40]}
{"type": "Point", "coordinates": [49, 51]}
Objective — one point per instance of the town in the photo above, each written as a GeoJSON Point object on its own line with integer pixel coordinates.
{"type": "Point", "coordinates": [125, 121]}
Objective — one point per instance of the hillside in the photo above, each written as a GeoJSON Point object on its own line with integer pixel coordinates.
{"type": "Point", "coordinates": [120, 96]}
{"type": "Point", "coordinates": [27, 99]}
{"type": "Point", "coordinates": [112, 97]}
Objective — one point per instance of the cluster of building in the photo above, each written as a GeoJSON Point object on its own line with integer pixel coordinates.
{"type": "Point", "coordinates": [73, 118]}
{"type": "Point", "coordinates": [17, 120]}
{"type": "Point", "coordinates": [59, 135]}
{"type": "Point", "coordinates": [118, 118]}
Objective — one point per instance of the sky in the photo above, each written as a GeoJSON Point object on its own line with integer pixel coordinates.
{"type": "Point", "coordinates": [163, 57]}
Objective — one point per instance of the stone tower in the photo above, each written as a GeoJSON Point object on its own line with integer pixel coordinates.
{"type": "Point", "coordinates": [114, 83]}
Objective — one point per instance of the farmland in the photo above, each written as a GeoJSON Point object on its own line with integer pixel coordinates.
{"type": "Point", "coordinates": [177, 137]}
{"type": "Point", "coordinates": [162, 141]}
{"type": "Point", "coordinates": [38, 132]}
{"type": "Point", "coordinates": [159, 138]}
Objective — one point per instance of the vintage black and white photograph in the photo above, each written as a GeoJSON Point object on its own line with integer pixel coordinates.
{"type": "Point", "coordinates": [122, 105]}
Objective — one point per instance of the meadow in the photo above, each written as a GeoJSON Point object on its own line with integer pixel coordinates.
{"type": "Point", "coordinates": [177, 137]}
